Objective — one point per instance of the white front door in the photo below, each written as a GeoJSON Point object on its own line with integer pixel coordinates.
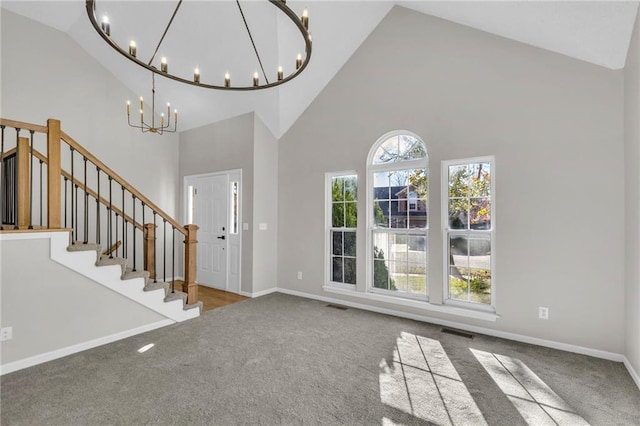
{"type": "Point", "coordinates": [210, 213]}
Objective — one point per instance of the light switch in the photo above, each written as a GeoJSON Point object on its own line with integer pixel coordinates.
{"type": "Point", "coordinates": [245, 226]}
{"type": "Point", "coordinates": [263, 226]}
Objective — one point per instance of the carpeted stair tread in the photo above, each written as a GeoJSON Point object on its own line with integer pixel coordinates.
{"type": "Point", "coordinates": [80, 246]}
{"type": "Point", "coordinates": [151, 286]}
{"type": "Point", "coordinates": [106, 261]}
{"type": "Point", "coordinates": [176, 295]}
{"type": "Point", "coordinates": [197, 305]}
{"type": "Point", "coordinates": [129, 275]}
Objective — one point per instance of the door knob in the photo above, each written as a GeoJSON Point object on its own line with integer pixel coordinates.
{"type": "Point", "coordinates": [221, 237]}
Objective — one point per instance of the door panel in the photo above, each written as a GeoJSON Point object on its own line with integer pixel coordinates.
{"type": "Point", "coordinates": [210, 214]}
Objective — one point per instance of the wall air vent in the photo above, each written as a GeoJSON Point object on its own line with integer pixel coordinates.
{"type": "Point", "coordinates": [457, 333]}
{"type": "Point", "coordinates": [342, 308]}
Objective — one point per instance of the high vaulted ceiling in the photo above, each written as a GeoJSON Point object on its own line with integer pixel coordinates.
{"type": "Point", "coordinates": [596, 32]}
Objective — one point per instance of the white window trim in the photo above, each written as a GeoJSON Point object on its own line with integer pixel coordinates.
{"type": "Point", "coordinates": [376, 168]}
{"type": "Point", "coordinates": [328, 212]}
{"type": "Point", "coordinates": [444, 180]}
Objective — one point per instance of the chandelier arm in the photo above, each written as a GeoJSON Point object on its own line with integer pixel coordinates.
{"type": "Point", "coordinates": [165, 32]}
{"type": "Point", "coordinates": [255, 49]}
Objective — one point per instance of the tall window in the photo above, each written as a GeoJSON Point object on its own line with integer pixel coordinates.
{"type": "Point", "coordinates": [398, 215]}
{"type": "Point", "coordinates": [468, 204]}
{"type": "Point", "coordinates": [342, 217]}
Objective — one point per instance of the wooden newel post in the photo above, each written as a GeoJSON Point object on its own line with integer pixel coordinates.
{"type": "Point", "coordinates": [54, 193]}
{"type": "Point", "coordinates": [190, 244]}
{"type": "Point", "coordinates": [150, 249]}
{"type": "Point", "coordinates": [24, 177]}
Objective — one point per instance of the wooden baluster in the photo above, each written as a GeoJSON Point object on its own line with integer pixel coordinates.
{"type": "Point", "coordinates": [150, 249]}
{"type": "Point", "coordinates": [190, 243]}
{"type": "Point", "coordinates": [24, 182]}
{"type": "Point", "coordinates": [53, 174]}
{"type": "Point", "coordinates": [2, 166]}
{"type": "Point", "coordinates": [31, 181]}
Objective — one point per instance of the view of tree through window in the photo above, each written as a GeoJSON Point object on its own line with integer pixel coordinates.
{"type": "Point", "coordinates": [399, 225]}
{"type": "Point", "coordinates": [469, 231]}
{"type": "Point", "coordinates": [344, 220]}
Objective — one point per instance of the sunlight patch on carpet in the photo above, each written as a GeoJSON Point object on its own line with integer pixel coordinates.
{"type": "Point", "coordinates": [146, 348]}
{"type": "Point", "coordinates": [420, 380]}
{"type": "Point", "coordinates": [537, 403]}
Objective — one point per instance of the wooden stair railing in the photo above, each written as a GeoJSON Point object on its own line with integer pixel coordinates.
{"type": "Point", "coordinates": [41, 157]}
{"type": "Point", "coordinates": [55, 201]}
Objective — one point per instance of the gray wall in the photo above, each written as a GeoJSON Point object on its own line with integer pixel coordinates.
{"type": "Point", "coordinates": [45, 74]}
{"type": "Point", "coordinates": [265, 204]}
{"type": "Point", "coordinates": [225, 145]}
{"type": "Point", "coordinates": [632, 200]}
{"type": "Point", "coordinates": [51, 307]}
{"type": "Point", "coordinates": [555, 127]}
{"type": "Point", "coordinates": [242, 142]}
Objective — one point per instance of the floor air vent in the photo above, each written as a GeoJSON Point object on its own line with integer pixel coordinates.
{"type": "Point", "coordinates": [342, 308]}
{"type": "Point", "coordinates": [457, 333]}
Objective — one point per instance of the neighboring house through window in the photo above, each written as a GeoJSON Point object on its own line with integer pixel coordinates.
{"type": "Point", "coordinates": [398, 215]}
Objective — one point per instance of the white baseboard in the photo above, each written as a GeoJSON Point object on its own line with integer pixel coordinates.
{"type": "Point", "coordinates": [259, 293]}
{"type": "Point", "coordinates": [481, 330]}
{"type": "Point", "coordinates": [59, 353]}
{"type": "Point", "coordinates": [634, 374]}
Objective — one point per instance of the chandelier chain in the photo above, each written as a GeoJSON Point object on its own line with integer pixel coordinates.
{"type": "Point", "coordinates": [251, 38]}
{"type": "Point", "coordinates": [165, 32]}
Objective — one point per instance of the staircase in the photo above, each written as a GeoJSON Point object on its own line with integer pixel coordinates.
{"type": "Point", "coordinates": [49, 182]}
{"type": "Point", "coordinates": [89, 260]}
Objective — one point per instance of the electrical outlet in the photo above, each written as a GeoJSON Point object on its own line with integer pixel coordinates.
{"type": "Point", "coordinates": [6, 333]}
{"type": "Point", "coordinates": [299, 275]}
{"type": "Point", "coordinates": [543, 313]}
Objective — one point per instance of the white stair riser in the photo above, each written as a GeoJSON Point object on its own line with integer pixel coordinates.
{"type": "Point", "coordinates": [84, 262]}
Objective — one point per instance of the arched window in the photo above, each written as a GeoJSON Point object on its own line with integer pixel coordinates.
{"type": "Point", "coordinates": [397, 220]}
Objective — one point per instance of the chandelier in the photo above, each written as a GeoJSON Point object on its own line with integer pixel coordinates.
{"type": "Point", "coordinates": [278, 76]}
{"type": "Point", "coordinates": [145, 127]}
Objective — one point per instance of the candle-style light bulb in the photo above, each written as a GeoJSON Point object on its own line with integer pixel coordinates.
{"type": "Point", "coordinates": [163, 64]}
{"type": "Point", "coordinates": [305, 19]}
{"type": "Point", "coordinates": [132, 48]}
{"type": "Point", "coordinates": [255, 79]}
{"type": "Point", "coordinates": [227, 80]}
{"type": "Point", "coordinates": [141, 104]}
{"type": "Point", "coordinates": [280, 74]}
{"type": "Point", "coordinates": [106, 27]}
{"type": "Point", "coordinates": [162, 120]}
{"type": "Point", "coordinates": [128, 108]}
{"type": "Point", "coordinates": [299, 61]}
{"type": "Point", "coordinates": [175, 116]}
{"type": "Point", "coordinates": [196, 75]}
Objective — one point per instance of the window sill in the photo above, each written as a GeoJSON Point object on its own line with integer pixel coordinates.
{"type": "Point", "coordinates": [412, 303]}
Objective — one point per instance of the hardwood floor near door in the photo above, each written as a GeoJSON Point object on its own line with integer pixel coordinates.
{"type": "Point", "coordinates": [213, 298]}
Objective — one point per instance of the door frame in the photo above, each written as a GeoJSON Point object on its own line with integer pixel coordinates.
{"type": "Point", "coordinates": [187, 180]}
